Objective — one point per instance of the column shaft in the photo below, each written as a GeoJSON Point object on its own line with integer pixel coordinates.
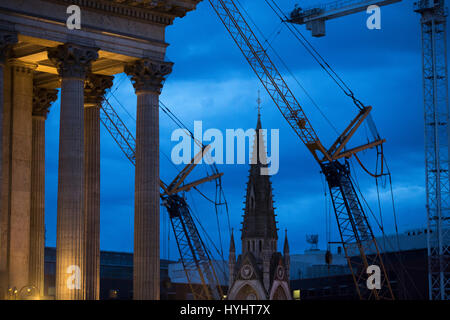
{"type": "Point", "coordinates": [37, 222]}
{"type": "Point", "coordinates": [94, 91]}
{"type": "Point", "coordinates": [70, 222]}
{"type": "Point", "coordinates": [20, 182]}
{"type": "Point", "coordinates": [92, 201]}
{"type": "Point", "coordinates": [7, 39]}
{"type": "Point", "coordinates": [147, 77]}
{"type": "Point", "coordinates": [73, 62]}
{"type": "Point", "coordinates": [5, 190]}
{"type": "Point", "coordinates": [42, 100]}
{"type": "Point", "coordinates": [146, 224]}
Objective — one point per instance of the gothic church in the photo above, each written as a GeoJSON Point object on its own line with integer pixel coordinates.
{"type": "Point", "coordinates": [260, 272]}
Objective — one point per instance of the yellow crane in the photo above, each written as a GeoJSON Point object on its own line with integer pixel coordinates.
{"type": "Point", "coordinates": [194, 254]}
{"type": "Point", "coordinates": [353, 225]}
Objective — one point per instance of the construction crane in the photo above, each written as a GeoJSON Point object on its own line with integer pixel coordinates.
{"type": "Point", "coordinates": [436, 114]}
{"type": "Point", "coordinates": [194, 254]}
{"type": "Point", "coordinates": [351, 219]}
{"type": "Point", "coordinates": [435, 94]}
{"type": "Point", "coordinates": [314, 17]}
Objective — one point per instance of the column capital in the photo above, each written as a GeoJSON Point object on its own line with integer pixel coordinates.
{"type": "Point", "coordinates": [71, 60]}
{"type": "Point", "coordinates": [95, 88]}
{"type": "Point", "coordinates": [7, 40]}
{"type": "Point", "coordinates": [42, 100]}
{"type": "Point", "coordinates": [148, 75]}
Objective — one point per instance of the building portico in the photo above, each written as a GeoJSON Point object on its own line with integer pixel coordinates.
{"type": "Point", "coordinates": [38, 55]}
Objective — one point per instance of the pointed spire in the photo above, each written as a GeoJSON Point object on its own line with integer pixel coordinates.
{"type": "Point", "coordinates": [258, 101]}
{"type": "Point", "coordinates": [259, 217]}
{"type": "Point", "coordinates": [259, 153]}
{"type": "Point", "coordinates": [286, 244]}
{"type": "Point", "coordinates": [232, 246]}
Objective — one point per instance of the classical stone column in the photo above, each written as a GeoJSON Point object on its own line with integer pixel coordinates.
{"type": "Point", "coordinates": [7, 39]}
{"type": "Point", "coordinates": [20, 173]}
{"type": "Point", "coordinates": [42, 100]}
{"type": "Point", "coordinates": [94, 91]}
{"type": "Point", "coordinates": [147, 77]}
{"type": "Point", "coordinates": [73, 62]}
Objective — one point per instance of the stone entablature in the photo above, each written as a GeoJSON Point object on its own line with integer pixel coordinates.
{"type": "Point", "coordinates": [157, 11]}
{"type": "Point", "coordinates": [124, 31]}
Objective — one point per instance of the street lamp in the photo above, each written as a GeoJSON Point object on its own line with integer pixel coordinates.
{"type": "Point", "coordinates": [25, 293]}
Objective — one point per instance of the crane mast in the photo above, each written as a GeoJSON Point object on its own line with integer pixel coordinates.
{"type": "Point", "coordinates": [352, 222]}
{"type": "Point", "coordinates": [436, 115]}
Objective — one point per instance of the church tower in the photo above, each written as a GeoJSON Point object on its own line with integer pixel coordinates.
{"type": "Point", "coordinates": [260, 272]}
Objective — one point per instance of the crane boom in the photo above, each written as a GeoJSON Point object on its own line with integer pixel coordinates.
{"type": "Point", "coordinates": [314, 17]}
{"type": "Point", "coordinates": [351, 219]}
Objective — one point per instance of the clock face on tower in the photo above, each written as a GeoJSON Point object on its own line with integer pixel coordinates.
{"type": "Point", "coordinates": [246, 271]}
{"type": "Point", "coordinates": [280, 272]}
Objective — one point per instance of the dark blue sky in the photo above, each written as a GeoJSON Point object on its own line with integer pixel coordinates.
{"type": "Point", "coordinates": [212, 82]}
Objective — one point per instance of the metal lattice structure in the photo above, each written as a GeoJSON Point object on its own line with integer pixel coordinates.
{"type": "Point", "coordinates": [355, 231]}
{"type": "Point", "coordinates": [266, 71]}
{"type": "Point", "coordinates": [194, 254]}
{"type": "Point", "coordinates": [118, 130]}
{"type": "Point", "coordinates": [346, 203]}
{"type": "Point", "coordinates": [436, 115]}
{"type": "Point", "coordinates": [314, 17]}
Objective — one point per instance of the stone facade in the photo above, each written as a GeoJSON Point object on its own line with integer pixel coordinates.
{"type": "Point", "coordinates": [39, 54]}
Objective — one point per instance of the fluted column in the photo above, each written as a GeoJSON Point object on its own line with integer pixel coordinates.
{"type": "Point", "coordinates": [94, 91]}
{"type": "Point", "coordinates": [73, 62]}
{"type": "Point", "coordinates": [7, 39]}
{"type": "Point", "coordinates": [147, 77]}
{"type": "Point", "coordinates": [42, 100]}
{"type": "Point", "coordinates": [20, 172]}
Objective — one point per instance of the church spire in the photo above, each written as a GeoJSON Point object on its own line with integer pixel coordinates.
{"type": "Point", "coordinates": [231, 261]}
{"type": "Point", "coordinates": [258, 101]}
{"type": "Point", "coordinates": [259, 217]}
{"type": "Point", "coordinates": [286, 244]}
{"type": "Point", "coordinates": [232, 246]}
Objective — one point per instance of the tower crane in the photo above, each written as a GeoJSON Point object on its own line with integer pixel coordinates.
{"type": "Point", "coordinates": [436, 114]}
{"type": "Point", "coordinates": [314, 17]}
{"type": "Point", "coordinates": [435, 95]}
{"type": "Point", "coordinates": [351, 219]}
{"type": "Point", "coordinates": [194, 254]}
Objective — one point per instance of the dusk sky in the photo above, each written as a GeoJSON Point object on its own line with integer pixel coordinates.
{"type": "Point", "coordinates": [212, 82]}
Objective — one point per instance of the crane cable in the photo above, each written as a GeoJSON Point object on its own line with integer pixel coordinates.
{"type": "Point", "coordinates": [315, 54]}
{"type": "Point", "coordinates": [269, 46]}
{"type": "Point", "coordinates": [396, 252]}
{"type": "Point", "coordinates": [375, 175]}
{"type": "Point", "coordinates": [194, 214]}
{"type": "Point", "coordinates": [219, 190]}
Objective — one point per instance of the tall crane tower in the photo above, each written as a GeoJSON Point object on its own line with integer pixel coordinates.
{"type": "Point", "coordinates": [436, 115]}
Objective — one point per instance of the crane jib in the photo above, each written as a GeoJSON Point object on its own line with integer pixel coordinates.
{"type": "Point", "coordinates": [354, 228]}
